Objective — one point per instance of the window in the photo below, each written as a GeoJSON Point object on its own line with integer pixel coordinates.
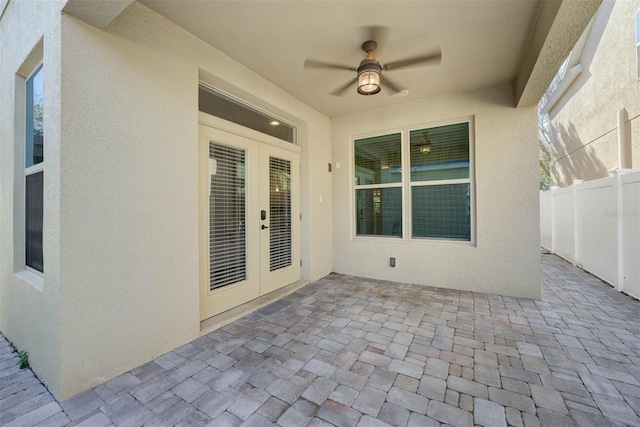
{"type": "Point", "coordinates": [226, 108]}
{"type": "Point", "coordinates": [34, 171]}
{"type": "Point", "coordinates": [638, 42]}
{"type": "Point", "coordinates": [378, 180]}
{"type": "Point", "coordinates": [438, 184]}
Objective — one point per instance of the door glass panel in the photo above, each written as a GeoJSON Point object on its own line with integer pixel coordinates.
{"type": "Point", "coordinates": [227, 216]}
{"type": "Point", "coordinates": [279, 213]}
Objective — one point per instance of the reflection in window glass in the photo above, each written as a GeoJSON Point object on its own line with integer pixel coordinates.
{"type": "Point", "coordinates": [440, 153]}
{"type": "Point", "coordinates": [378, 159]}
{"type": "Point", "coordinates": [34, 132]}
{"type": "Point", "coordinates": [379, 212]}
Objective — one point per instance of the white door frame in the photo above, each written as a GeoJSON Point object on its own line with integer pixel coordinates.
{"type": "Point", "coordinates": [237, 135]}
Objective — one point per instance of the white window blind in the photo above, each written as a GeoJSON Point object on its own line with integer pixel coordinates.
{"type": "Point", "coordinates": [227, 217]}
{"type": "Point", "coordinates": [280, 245]}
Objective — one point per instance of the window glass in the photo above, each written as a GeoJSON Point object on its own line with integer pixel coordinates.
{"type": "Point", "coordinates": [378, 160]}
{"type": "Point", "coordinates": [638, 27]}
{"type": "Point", "coordinates": [379, 211]}
{"type": "Point", "coordinates": [33, 221]}
{"type": "Point", "coordinates": [440, 153]}
{"type": "Point", "coordinates": [226, 108]}
{"type": "Point", "coordinates": [441, 211]}
{"type": "Point", "coordinates": [34, 132]}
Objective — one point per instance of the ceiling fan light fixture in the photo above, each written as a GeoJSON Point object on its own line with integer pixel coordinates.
{"type": "Point", "coordinates": [369, 78]}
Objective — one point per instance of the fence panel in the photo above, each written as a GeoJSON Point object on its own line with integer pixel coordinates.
{"type": "Point", "coordinates": [631, 232]}
{"type": "Point", "coordinates": [601, 227]}
{"type": "Point", "coordinates": [598, 228]}
{"type": "Point", "coordinates": [545, 220]}
{"type": "Point", "coordinates": [563, 223]}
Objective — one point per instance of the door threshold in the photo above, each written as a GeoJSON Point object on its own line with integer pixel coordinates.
{"type": "Point", "coordinates": [222, 319]}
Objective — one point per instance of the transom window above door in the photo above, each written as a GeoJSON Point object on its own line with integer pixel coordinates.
{"type": "Point", "coordinates": [434, 200]}
{"type": "Point", "coordinates": [227, 108]}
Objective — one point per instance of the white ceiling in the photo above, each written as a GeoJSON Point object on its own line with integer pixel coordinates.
{"type": "Point", "coordinates": [482, 42]}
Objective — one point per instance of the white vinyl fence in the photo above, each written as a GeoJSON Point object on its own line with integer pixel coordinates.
{"type": "Point", "coordinates": [596, 226]}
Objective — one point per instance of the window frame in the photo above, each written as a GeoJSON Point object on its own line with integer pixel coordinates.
{"type": "Point", "coordinates": [406, 184]}
{"type": "Point", "coordinates": [355, 188]}
{"type": "Point", "coordinates": [31, 170]}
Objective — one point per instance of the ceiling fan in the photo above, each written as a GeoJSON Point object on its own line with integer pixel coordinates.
{"type": "Point", "coordinates": [369, 71]}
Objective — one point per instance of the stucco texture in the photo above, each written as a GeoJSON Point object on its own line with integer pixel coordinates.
{"type": "Point", "coordinates": [129, 201]}
{"type": "Point", "coordinates": [584, 121]}
{"type": "Point", "coordinates": [30, 306]}
{"type": "Point", "coordinates": [505, 259]}
{"type": "Point", "coordinates": [121, 182]}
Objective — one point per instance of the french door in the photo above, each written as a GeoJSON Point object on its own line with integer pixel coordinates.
{"type": "Point", "coordinates": [249, 221]}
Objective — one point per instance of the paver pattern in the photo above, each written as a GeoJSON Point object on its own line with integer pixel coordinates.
{"type": "Point", "coordinates": [347, 351]}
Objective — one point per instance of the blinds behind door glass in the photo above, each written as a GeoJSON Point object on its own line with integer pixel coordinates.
{"type": "Point", "coordinates": [279, 213]}
{"type": "Point", "coordinates": [227, 216]}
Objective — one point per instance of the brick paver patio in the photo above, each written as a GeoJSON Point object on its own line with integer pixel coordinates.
{"type": "Point", "coordinates": [347, 351]}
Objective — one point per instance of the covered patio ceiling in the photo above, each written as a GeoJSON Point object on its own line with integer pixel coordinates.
{"type": "Point", "coordinates": [482, 42]}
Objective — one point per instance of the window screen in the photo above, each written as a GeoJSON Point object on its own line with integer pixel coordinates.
{"type": "Point", "coordinates": [33, 221]}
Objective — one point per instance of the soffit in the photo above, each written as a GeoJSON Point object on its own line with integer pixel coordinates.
{"type": "Point", "coordinates": [482, 43]}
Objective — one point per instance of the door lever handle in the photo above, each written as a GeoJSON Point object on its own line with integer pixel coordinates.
{"type": "Point", "coordinates": [264, 226]}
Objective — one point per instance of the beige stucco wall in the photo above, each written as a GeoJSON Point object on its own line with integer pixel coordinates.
{"type": "Point", "coordinates": [29, 306]}
{"type": "Point", "coordinates": [506, 258]}
{"type": "Point", "coordinates": [121, 204]}
{"type": "Point", "coordinates": [584, 121]}
{"type": "Point", "coordinates": [129, 247]}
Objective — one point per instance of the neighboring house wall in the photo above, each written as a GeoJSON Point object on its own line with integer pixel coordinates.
{"type": "Point", "coordinates": [584, 120]}
{"type": "Point", "coordinates": [505, 259]}
{"type": "Point", "coordinates": [126, 196]}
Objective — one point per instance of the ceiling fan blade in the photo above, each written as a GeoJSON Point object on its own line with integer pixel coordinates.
{"type": "Point", "coordinates": [342, 89]}
{"type": "Point", "coordinates": [311, 63]}
{"type": "Point", "coordinates": [390, 84]}
{"type": "Point", "coordinates": [433, 57]}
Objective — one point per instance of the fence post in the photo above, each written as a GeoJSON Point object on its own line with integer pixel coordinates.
{"type": "Point", "coordinates": [577, 241]}
{"type": "Point", "coordinates": [553, 218]}
{"type": "Point", "coordinates": [617, 173]}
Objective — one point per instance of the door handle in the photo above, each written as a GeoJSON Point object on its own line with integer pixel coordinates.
{"type": "Point", "coordinates": [263, 226]}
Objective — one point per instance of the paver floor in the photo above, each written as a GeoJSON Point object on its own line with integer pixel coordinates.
{"type": "Point", "coordinates": [348, 351]}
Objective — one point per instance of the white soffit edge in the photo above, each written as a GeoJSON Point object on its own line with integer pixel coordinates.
{"type": "Point", "coordinates": [572, 70]}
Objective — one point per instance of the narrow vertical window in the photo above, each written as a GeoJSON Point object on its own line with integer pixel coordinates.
{"type": "Point", "coordinates": [638, 42]}
{"type": "Point", "coordinates": [34, 171]}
